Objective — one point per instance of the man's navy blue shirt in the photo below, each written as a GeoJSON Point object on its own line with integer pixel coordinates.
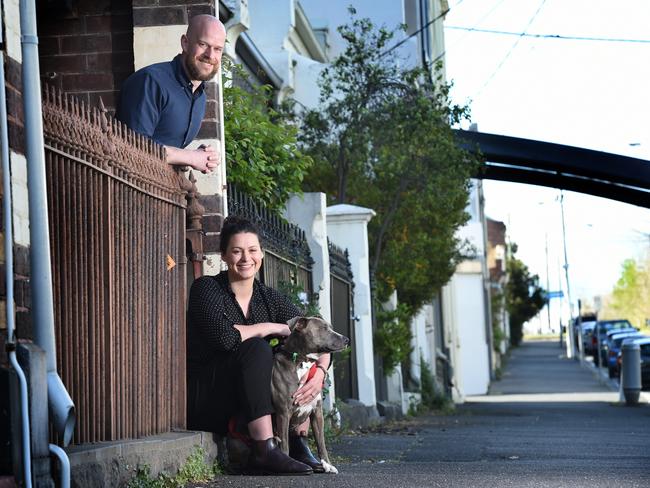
{"type": "Point", "coordinates": [158, 101]}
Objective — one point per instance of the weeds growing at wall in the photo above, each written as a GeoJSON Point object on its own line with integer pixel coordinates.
{"type": "Point", "coordinates": [195, 470]}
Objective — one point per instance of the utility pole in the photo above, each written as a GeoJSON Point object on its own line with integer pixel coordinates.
{"type": "Point", "coordinates": [548, 282]}
{"type": "Point", "coordinates": [569, 329]}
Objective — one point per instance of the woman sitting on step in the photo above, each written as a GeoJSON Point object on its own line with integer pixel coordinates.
{"type": "Point", "coordinates": [230, 362]}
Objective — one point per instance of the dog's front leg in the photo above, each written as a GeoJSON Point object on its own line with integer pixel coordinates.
{"type": "Point", "coordinates": [317, 427]}
{"type": "Point", "coordinates": [282, 428]}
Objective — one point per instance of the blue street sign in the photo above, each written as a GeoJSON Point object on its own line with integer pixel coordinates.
{"type": "Point", "coordinates": [554, 294]}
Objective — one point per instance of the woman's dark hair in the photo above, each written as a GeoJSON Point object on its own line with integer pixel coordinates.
{"type": "Point", "coordinates": [235, 225]}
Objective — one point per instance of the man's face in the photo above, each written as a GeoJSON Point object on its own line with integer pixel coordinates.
{"type": "Point", "coordinates": [202, 50]}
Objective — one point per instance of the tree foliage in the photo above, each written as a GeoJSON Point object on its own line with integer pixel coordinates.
{"type": "Point", "coordinates": [631, 294]}
{"type": "Point", "coordinates": [381, 138]}
{"type": "Point", "coordinates": [392, 339]}
{"type": "Point", "coordinates": [263, 156]}
{"type": "Point", "coordinates": [524, 297]}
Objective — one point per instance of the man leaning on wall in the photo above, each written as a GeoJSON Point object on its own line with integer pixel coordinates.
{"type": "Point", "coordinates": [166, 101]}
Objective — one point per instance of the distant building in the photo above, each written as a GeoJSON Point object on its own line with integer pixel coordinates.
{"type": "Point", "coordinates": [496, 261]}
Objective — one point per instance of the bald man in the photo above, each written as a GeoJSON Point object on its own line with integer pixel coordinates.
{"type": "Point", "coordinates": [166, 101]}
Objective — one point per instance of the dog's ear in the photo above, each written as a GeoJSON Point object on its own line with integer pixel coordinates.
{"type": "Point", "coordinates": [297, 322]}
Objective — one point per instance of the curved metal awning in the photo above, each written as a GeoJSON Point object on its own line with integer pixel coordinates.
{"type": "Point", "coordinates": [570, 168]}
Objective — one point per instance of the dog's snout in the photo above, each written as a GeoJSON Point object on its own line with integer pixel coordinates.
{"type": "Point", "coordinates": [346, 341]}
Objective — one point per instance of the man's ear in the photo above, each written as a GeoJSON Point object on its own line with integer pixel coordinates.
{"type": "Point", "coordinates": [297, 322]}
{"type": "Point", "coordinates": [184, 42]}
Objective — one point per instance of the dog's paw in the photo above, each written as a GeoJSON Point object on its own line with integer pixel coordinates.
{"type": "Point", "coordinates": [328, 467]}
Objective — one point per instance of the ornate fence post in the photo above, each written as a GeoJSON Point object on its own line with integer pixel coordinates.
{"type": "Point", "coordinates": [194, 224]}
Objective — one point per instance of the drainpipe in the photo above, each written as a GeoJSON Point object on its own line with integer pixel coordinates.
{"type": "Point", "coordinates": [9, 280]}
{"type": "Point", "coordinates": [59, 401]}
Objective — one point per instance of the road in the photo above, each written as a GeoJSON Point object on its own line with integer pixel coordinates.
{"type": "Point", "coordinates": [547, 423]}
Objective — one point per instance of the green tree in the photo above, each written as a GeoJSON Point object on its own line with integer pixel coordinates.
{"type": "Point", "coordinates": [381, 138]}
{"type": "Point", "coordinates": [262, 151]}
{"type": "Point", "coordinates": [631, 294]}
{"type": "Point", "coordinates": [524, 297]}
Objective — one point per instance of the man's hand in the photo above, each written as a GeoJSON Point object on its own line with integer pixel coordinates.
{"type": "Point", "coordinates": [205, 158]}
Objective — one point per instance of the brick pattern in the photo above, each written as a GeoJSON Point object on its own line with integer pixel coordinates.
{"type": "Point", "coordinates": [88, 51]}
{"type": "Point", "coordinates": [147, 13]}
{"type": "Point", "coordinates": [210, 126]}
{"type": "Point", "coordinates": [212, 220]}
{"type": "Point", "coordinates": [15, 114]}
{"type": "Point", "coordinates": [22, 299]}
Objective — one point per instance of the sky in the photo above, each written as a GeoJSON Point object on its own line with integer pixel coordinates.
{"type": "Point", "coordinates": [587, 93]}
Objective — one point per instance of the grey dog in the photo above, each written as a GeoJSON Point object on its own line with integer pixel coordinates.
{"type": "Point", "coordinates": [310, 337]}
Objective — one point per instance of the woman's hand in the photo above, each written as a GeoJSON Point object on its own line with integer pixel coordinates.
{"type": "Point", "coordinates": [308, 390]}
{"type": "Point", "coordinates": [277, 329]}
{"type": "Point", "coordinates": [262, 330]}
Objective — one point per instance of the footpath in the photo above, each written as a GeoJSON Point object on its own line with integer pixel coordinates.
{"type": "Point", "coordinates": [549, 422]}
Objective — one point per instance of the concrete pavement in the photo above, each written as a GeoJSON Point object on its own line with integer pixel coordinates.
{"type": "Point", "coordinates": [548, 423]}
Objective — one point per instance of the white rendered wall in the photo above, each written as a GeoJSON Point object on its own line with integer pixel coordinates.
{"type": "Point", "coordinates": [309, 212]}
{"type": "Point", "coordinates": [422, 342]}
{"type": "Point", "coordinates": [394, 384]}
{"type": "Point", "coordinates": [471, 348]}
{"type": "Point", "coordinates": [465, 310]}
{"type": "Point", "coordinates": [347, 228]}
{"type": "Point", "coordinates": [271, 29]}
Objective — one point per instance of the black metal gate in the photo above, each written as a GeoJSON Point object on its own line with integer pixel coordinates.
{"type": "Point", "coordinates": [342, 307]}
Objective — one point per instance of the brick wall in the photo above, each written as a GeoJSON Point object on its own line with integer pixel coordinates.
{"type": "Point", "coordinates": [22, 294]}
{"type": "Point", "coordinates": [87, 51]}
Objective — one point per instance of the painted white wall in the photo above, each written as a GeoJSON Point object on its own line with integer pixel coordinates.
{"type": "Point", "coordinates": [471, 354]}
{"type": "Point", "coordinates": [473, 230]}
{"type": "Point", "coordinates": [347, 228]}
{"type": "Point", "coordinates": [12, 29]}
{"type": "Point", "coordinates": [19, 198]}
{"type": "Point", "coordinates": [309, 212]}
{"type": "Point", "coordinates": [394, 384]}
{"type": "Point", "coordinates": [273, 30]}
{"type": "Point", "coordinates": [466, 309]}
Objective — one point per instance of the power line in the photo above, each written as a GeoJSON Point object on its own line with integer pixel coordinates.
{"type": "Point", "coordinates": [469, 29]}
{"type": "Point", "coordinates": [548, 36]}
{"type": "Point", "coordinates": [512, 48]}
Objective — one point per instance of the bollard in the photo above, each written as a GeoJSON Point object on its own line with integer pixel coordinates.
{"type": "Point", "coordinates": [631, 372]}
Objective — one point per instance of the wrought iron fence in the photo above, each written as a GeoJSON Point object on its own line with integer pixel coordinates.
{"type": "Point", "coordinates": [287, 259]}
{"type": "Point", "coordinates": [342, 307]}
{"type": "Point", "coordinates": [117, 220]}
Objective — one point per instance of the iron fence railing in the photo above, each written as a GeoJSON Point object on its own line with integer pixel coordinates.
{"type": "Point", "coordinates": [117, 225]}
{"type": "Point", "coordinates": [342, 309]}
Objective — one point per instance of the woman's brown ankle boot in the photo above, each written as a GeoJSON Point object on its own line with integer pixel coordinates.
{"type": "Point", "coordinates": [267, 458]}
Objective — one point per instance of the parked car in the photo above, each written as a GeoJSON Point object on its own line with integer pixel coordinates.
{"type": "Point", "coordinates": [587, 333]}
{"type": "Point", "coordinates": [605, 343]}
{"type": "Point", "coordinates": [600, 333]}
{"type": "Point", "coordinates": [644, 346]}
{"type": "Point", "coordinates": [614, 343]}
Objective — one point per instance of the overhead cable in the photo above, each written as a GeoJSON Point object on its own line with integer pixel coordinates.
{"type": "Point", "coordinates": [547, 36]}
